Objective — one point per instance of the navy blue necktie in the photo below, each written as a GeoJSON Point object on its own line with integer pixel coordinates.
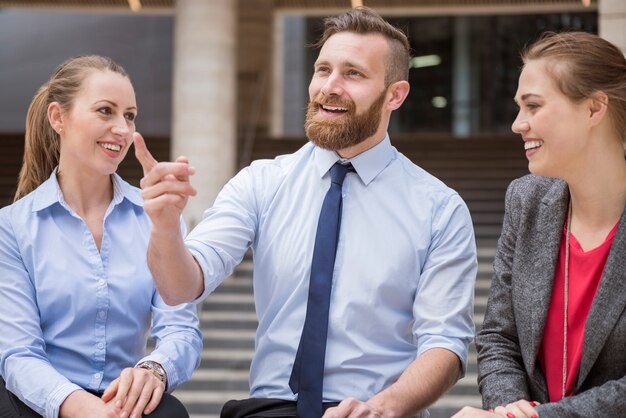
{"type": "Point", "coordinates": [308, 370]}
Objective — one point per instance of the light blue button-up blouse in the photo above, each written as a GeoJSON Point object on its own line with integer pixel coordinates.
{"type": "Point", "coordinates": [73, 317]}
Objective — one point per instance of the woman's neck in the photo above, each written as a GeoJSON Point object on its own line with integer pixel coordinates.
{"type": "Point", "coordinates": [597, 178]}
{"type": "Point", "coordinates": [85, 193]}
{"type": "Point", "coordinates": [598, 198]}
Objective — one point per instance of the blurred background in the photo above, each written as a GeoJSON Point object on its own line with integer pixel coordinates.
{"type": "Point", "coordinates": [225, 82]}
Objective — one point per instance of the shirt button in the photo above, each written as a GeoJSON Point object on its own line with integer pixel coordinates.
{"type": "Point", "coordinates": [101, 314]}
{"type": "Point", "coordinates": [100, 346]}
{"type": "Point", "coordinates": [96, 376]}
{"type": "Point", "coordinates": [101, 282]}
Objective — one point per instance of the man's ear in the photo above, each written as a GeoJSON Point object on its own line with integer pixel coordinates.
{"type": "Point", "coordinates": [398, 92]}
{"type": "Point", "coordinates": [55, 116]}
{"type": "Point", "coordinates": [597, 106]}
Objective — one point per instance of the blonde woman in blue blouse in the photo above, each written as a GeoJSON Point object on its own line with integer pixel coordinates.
{"type": "Point", "coordinates": [77, 299]}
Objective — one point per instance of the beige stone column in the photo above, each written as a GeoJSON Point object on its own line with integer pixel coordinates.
{"type": "Point", "coordinates": [204, 94]}
{"type": "Point", "coordinates": [612, 21]}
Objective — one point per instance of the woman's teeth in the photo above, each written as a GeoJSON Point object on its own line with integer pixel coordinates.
{"type": "Point", "coordinates": [111, 147]}
{"type": "Point", "coordinates": [532, 144]}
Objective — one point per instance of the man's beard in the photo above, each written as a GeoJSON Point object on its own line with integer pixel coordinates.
{"type": "Point", "coordinates": [346, 131]}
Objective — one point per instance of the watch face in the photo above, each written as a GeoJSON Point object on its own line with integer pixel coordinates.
{"type": "Point", "coordinates": [156, 368]}
{"type": "Point", "coordinates": [160, 371]}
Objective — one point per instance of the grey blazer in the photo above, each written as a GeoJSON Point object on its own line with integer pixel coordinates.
{"type": "Point", "coordinates": [509, 341]}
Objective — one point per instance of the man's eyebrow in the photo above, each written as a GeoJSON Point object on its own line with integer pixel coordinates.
{"type": "Point", "coordinates": [348, 64]}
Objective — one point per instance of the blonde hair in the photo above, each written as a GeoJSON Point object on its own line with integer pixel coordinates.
{"type": "Point", "coordinates": [42, 145]}
{"type": "Point", "coordinates": [583, 64]}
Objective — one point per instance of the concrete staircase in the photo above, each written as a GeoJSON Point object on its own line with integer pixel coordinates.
{"type": "Point", "coordinates": [479, 169]}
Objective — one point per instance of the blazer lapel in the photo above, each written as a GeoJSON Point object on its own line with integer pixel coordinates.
{"type": "Point", "coordinates": [545, 241]}
{"type": "Point", "coordinates": [608, 304]}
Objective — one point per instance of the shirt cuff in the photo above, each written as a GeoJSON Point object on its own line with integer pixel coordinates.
{"type": "Point", "coordinates": [454, 345]}
{"type": "Point", "coordinates": [206, 272]}
{"type": "Point", "coordinates": [57, 397]}
{"type": "Point", "coordinates": [170, 369]}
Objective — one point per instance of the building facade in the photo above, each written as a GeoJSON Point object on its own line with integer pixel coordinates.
{"type": "Point", "coordinates": [213, 78]}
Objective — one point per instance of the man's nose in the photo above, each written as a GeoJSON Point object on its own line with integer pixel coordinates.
{"type": "Point", "coordinates": [332, 86]}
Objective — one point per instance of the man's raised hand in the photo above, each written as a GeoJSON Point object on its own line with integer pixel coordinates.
{"type": "Point", "coordinates": [165, 186]}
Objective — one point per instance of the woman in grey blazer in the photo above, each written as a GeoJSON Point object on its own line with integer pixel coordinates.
{"type": "Point", "coordinates": [562, 251]}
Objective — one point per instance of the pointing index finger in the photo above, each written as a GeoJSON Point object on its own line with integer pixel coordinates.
{"type": "Point", "coordinates": [142, 154]}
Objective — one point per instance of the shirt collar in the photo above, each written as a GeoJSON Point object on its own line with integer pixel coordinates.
{"type": "Point", "coordinates": [368, 164]}
{"type": "Point", "coordinates": [49, 193]}
{"type": "Point", "coordinates": [122, 190]}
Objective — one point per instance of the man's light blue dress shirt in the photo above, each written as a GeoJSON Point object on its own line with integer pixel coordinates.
{"type": "Point", "coordinates": [72, 317]}
{"type": "Point", "coordinates": [404, 273]}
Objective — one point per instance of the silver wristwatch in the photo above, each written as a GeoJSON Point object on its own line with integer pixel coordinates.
{"type": "Point", "coordinates": [156, 369]}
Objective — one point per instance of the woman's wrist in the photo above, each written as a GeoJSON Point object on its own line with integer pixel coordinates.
{"type": "Point", "coordinates": [156, 369]}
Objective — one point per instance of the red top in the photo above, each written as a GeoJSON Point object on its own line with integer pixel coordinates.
{"type": "Point", "coordinates": [585, 272]}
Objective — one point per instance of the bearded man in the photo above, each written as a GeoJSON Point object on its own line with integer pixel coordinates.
{"type": "Point", "coordinates": [364, 264]}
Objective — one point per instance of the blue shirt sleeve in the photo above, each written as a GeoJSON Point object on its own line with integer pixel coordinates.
{"type": "Point", "coordinates": [24, 364]}
{"type": "Point", "coordinates": [227, 230]}
{"type": "Point", "coordinates": [444, 300]}
{"type": "Point", "coordinates": [175, 330]}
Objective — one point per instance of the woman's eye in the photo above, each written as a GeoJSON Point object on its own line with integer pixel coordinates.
{"type": "Point", "coordinates": [130, 116]}
{"type": "Point", "coordinates": [105, 110]}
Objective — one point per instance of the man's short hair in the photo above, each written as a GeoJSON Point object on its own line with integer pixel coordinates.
{"type": "Point", "coordinates": [363, 20]}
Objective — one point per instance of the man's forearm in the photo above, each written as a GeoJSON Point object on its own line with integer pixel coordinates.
{"type": "Point", "coordinates": [177, 275]}
{"type": "Point", "coordinates": [427, 378]}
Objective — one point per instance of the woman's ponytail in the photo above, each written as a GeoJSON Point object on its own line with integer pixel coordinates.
{"type": "Point", "coordinates": [41, 148]}
{"type": "Point", "coordinates": [42, 144]}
